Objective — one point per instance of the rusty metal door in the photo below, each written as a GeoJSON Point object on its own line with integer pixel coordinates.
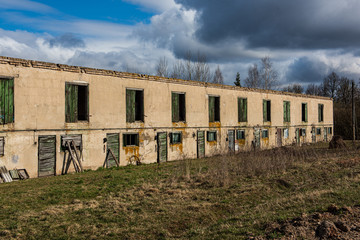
{"type": "Point", "coordinates": [231, 138]}
{"type": "Point", "coordinates": [278, 137]}
{"type": "Point", "coordinates": [46, 156]}
{"type": "Point", "coordinates": [313, 134]}
{"type": "Point", "coordinates": [162, 147]}
{"type": "Point", "coordinates": [113, 144]}
{"type": "Point", "coordinates": [200, 144]}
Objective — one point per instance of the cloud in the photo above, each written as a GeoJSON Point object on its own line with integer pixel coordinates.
{"type": "Point", "coordinates": [157, 5]}
{"type": "Point", "coordinates": [306, 70]}
{"type": "Point", "coordinates": [26, 5]}
{"type": "Point", "coordinates": [66, 40]}
{"type": "Point", "coordinates": [281, 24]}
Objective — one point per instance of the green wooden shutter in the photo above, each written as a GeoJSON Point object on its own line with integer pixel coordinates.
{"type": "Point", "coordinates": [245, 110]}
{"type": "Point", "coordinates": [319, 112]}
{"type": "Point", "coordinates": [130, 105]}
{"type": "Point", "coordinates": [264, 110]}
{"type": "Point", "coordinates": [113, 144]}
{"type": "Point", "coordinates": [211, 109]}
{"type": "Point", "coordinates": [6, 101]}
{"type": "Point", "coordinates": [306, 113]}
{"type": "Point", "coordinates": [71, 103]}
{"type": "Point", "coordinates": [175, 107]}
{"type": "Point", "coordinates": [288, 112]}
{"type": "Point", "coordinates": [285, 112]}
{"type": "Point", "coordinates": [239, 109]}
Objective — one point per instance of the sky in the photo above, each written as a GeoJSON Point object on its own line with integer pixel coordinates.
{"type": "Point", "coordinates": [305, 39]}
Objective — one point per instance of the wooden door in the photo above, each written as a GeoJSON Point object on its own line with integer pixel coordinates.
{"type": "Point", "coordinates": [162, 147]}
{"type": "Point", "coordinates": [297, 134]}
{"type": "Point", "coordinates": [278, 137]}
{"type": "Point", "coordinates": [200, 144]}
{"type": "Point", "coordinates": [113, 144]}
{"type": "Point", "coordinates": [46, 156]}
{"type": "Point", "coordinates": [257, 138]}
{"type": "Point", "coordinates": [313, 134]}
{"type": "Point", "coordinates": [231, 138]}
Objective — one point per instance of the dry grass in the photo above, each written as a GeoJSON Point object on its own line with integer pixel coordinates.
{"type": "Point", "coordinates": [224, 197]}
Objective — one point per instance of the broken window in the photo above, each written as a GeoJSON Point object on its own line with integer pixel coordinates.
{"type": "Point", "coordinates": [242, 109]}
{"type": "Point", "coordinates": [318, 131]}
{"type": "Point", "coordinates": [286, 133]}
{"type": "Point", "coordinates": [211, 136]}
{"type": "Point", "coordinates": [76, 102]}
{"type": "Point", "coordinates": [265, 133]}
{"type": "Point", "coordinates": [267, 110]}
{"type": "Point", "coordinates": [214, 109]}
{"type": "Point", "coordinates": [303, 132]}
{"type": "Point", "coordinates": [134, 105]}
{"type": "Point", "coordinates": [2, 144]}
{"type": "Point", "coordinates": [178, 107]}
{"type": "Point", "coordinates": [330, 130]}
{"type": "Point", "coordinates": [304, 112]}
{"type": "Point", "coordinates": [175, 137]}
{"type": "Point", "coordinates": [130, 139]}
{"type": "Point", "coordinates": [240, 134]}
{"type": "Point", "coordinates": [321, 112]}
{"type": "Point", "coordinates": [286, 111]}
{"type": "Point", "coordinates": [6, 100]}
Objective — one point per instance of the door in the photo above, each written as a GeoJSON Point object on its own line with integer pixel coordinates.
{"type": "Point", "coordinates": [278, 137]}
{"type": "Point", "coordinates": [325, 133]}
{"type": "Point", "coordinates": [200, 144]}
{"type": "Point", "coordinates": [313, 134]}
{"type": "Point", "coordinates": [46, 156]}
{"type": "Point", "coordinates": [256, 138]}
{"type": "Point", "coordinates": [297, 134]}
{"type": "Point", "coordinates": [113, 144]}
{"type": "Point", "coordinates": [231, 137]}
{"type": "Point", "coordinates": [162, 147]}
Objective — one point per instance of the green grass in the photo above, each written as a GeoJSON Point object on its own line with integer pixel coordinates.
{"type": "Point", "coordinates": [225, 197]}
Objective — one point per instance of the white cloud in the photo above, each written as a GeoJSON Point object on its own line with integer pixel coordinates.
{"type": "Point", "coordinates": [157, 5]}
{"type": "Point", "coordinates": [26, 5]}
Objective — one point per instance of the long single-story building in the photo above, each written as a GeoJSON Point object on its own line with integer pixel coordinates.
{"type": "Point", "coordinates": [147, 118]}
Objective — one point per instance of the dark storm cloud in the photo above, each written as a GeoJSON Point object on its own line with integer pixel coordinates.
{"type": "Point", "coordinates": [302, 24]}
{"type": "Point", "coordinates": [305, 70]}
{"type": "Point", "coordinates": [67, 40]}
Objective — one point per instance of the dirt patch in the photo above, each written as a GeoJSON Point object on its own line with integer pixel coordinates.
{"type": "Point", "coordinates": [335, 223]}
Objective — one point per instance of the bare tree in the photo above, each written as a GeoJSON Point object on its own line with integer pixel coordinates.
{"type": "Point", "coordinates": [178, 70]}
{"type": "Point", "coordinates": [201, 69]}
{"type": "Point", "coordinates": [162, 67]}
{"type": "Point", "coordinates": [268, 75]}
{"type": "Point", "coordinates": [253, 78]}
{"type": "Point", "coordinates": [218, 77]}
{"type": "Point", "coordinates": [313, 89]}
{"type": "Point", "coordinates": [330, 85]}
{"type": "Point", "coordinates": [344, 91]}
{"type": "Point", "coordinates": [294, 88]}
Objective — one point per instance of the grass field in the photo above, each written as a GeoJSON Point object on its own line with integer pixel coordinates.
{"type": "Point", "coordinates": [224, 197]}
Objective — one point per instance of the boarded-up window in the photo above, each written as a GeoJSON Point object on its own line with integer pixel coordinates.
{"type": "Point", "coordinates": [265, 133]}
{"type": "Point", "coordinates": [178, 107]}
{"type": "Point", "coordinates": [211, 136]}
{"type": "Point", "coordinates": [240, 134]}
{"type": "Point", "coordinates": [77, 138]}
{"type": "Point", "coordinates": [214, 109]}
{"type": "Point", "coordinates": [242, 109]}
{"type": "Point", "coordinates": [130, 139]}
{"type": "Point", "coordinates": [321, 112]}
{"type": "Point", "coordinates": [304, 113]}
{"type": "Point", "coordinates": [286, 111]}
{"type": "Point", "coordinates": [134, 105]}
{"type": "Point", "coordinates": [175, 137]}
{"type": "Point", "coordinates": [267, 110]}
{"type": "Point", "coordinates": [2, 145]}
{"type": "Point", "coordinates": [76, 102]}
{"type": "Point", "coordinates": [6, 101]}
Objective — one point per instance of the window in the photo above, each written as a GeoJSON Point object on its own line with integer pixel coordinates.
{"type": "Point", "coordinates": [178, 107]}
{"type": "Point", "coordinates": [265, 133]}
{"type": "Point", "coordinates": [214, 109]}
{"type": "Point", "coordinates": [240, 134]}
{"type": "Point", "coordinates": [286, 111]}
{"type": "Point", "coordinates": [242, 109]}
{"type": "Point", "coordinates": [318, 131]}
{"type": "Point", "coordinates": [321, 112]}
{"type": "Point", "coordinates": [6, 101]}
{"type": "Point", "coordinates": [175, 137]}
{"type": "Point", "coordinates": [303, 132]}
{"type": "Point", "coordinates": [134, 105]}
{"type": "Point", "coordinates": [330, 130]}
{"type": "Point", "coordinates": [267, 110]}
{"type": "Point", "coordinates": [304, 112]}
{"type": "Point", "coordinates": [130, 139]}
{"type": "Point", "coordinates": [211, 136]}
{"type": "Point", "coordinates": [286, 133]}
{"type": "Point", "coordinates": [76, 102]}
{"type": "Point", "coordinates": [2, 144]}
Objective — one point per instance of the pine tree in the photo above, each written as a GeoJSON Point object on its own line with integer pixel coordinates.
{"type": "Point", "coordinates": [237, 80]}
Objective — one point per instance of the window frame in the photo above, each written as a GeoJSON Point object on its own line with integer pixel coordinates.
{"type": "Point", "coordinates": [214, 114]}
{"type": "Point", "coordinates": [242, 109]}
{"type": "Point", "coordinates": [125, 140]}
{"type": "Point", "coordinates": [131, 97]}
{"type": "Point", "coordinates": [7, 101]}
{"type": "Point", "coordinates": [264, 131]}
{"type": "Point", "coordinates": [304, 112]}
{"type": "Point", "coordinates": [266, 110]}
{"type": "Point", "coordinates": [71, 113]}
{"type": "Point", "coordinates": [321, 112]}
{"type": "Point", "coordinates": [239, 135]}
{"type": "Point", "coordinates": [179, 114]}
{"type": "Point", "coordinates": [208, 134]}
{"type": "Point", "coordinates": [318, 131]}
{"type": "Point", "coordinates": [171, 136]}
{"type": "Point", "coordinates": [287, 111]}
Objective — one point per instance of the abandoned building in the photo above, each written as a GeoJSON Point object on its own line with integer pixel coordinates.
{"type": "Point", "coordinates": [140, 117]}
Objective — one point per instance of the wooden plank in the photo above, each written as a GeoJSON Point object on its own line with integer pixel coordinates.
{"type": "Point", "coordinates": [162, 147]}
{"type": "Point", "coordinates": [113, 145]}
{"type": "Point", "coordinates": [200, 144]}
{"type": "Point", "coordinates": [47, 155]}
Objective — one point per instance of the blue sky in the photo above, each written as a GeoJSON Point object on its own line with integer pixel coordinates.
{"type": "Point", "coordinates": [306, 39]}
